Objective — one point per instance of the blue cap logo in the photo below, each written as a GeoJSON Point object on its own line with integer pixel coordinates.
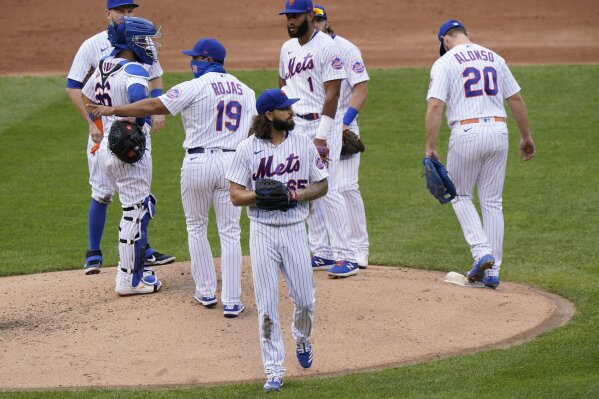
{"type": "Point", "coordinates": [297, 7]}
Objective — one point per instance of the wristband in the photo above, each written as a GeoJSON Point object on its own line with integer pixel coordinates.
{"type": "Point", "coordinates": [156, 93]}
{"type": "Point", "coordinates": [326, 122]}
{"type": "Point", "coordinates": [349, 116]}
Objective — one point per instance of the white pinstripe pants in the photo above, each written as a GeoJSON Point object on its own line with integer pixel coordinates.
{"type": "Point", "coordinates": [477, 156]}
{"type": "Point", "coordinates": [203, 185]}
{"type": "Point", "coordinates": [356, 215]}
{"type": "Point", "coordinates": [328, 227]}
{"type": "Point", "coordinates": [284, 248]}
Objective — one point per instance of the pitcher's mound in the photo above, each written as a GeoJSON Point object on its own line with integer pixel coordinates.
{"type": "Point", "coordinates": [66, 329]}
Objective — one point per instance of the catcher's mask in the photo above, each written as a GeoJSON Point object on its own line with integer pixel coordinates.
{"type": "Point", "coordinates": [136, 34]}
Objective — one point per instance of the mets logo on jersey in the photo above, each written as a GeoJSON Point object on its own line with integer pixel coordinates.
{"type": "Point", "coordinates": [337, 63]}
{"type": "Point", "coordinates": [173, 93]}
{"type": "Point", "coordinates": [318, 162]}
{"type": "Point", "coordinates": [358, 66]}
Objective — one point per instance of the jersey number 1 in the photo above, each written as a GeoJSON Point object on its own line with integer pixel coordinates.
{"type": "Point", "coordinates": [471, 87]}
{"type": "Point", "coordinates": [233, 112]}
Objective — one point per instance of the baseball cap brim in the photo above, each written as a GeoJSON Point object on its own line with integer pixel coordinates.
{"type": "Point", "coordinates": [190, 53]}
{"type": "Point", "coordinates": [288, 103]}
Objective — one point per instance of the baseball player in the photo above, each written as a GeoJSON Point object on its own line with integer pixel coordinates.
{"type": "Point", "coordinates": [473, 81]}
{"type": "Point", "coordinates": [85, 62]}
{"type": "Point", "coordinates": [122, 79]}
{"type": "Point", "coordinates": [278, 239]}
{"type": "Point", "coordinates": [354, 90]}
{"type": "Point", "coordinates": [217, 111]}
{"type": "Point", "coordinates": [311, 68]}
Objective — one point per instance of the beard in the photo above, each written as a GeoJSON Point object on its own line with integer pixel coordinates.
{"type": "Point", "coordinates": [282, 125]}
{"type": "Point", "coordinates": [301, 30]}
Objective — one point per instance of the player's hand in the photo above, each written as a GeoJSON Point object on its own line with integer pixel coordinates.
{"type": "Point", "coordinates": [527, 148]}
{"type": "Point", "coordinates": [95, 134]}
{"type": "Point", "coordinates": [158, 122]}
{"type": "Point", "coordinates": [99, 110]}
{"type": "Point", "coordinates": [432, 153]}
{"type": "Point", "coordinates": [320, 143]}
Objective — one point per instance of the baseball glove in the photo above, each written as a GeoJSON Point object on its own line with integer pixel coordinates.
{"type": "Point", "coordinates": [127, 141]}
{"type": "Point", "coordinates": [272, 195]}
{"type": "Point", "coordinates": [351, 143]}
{"type": "Point", "coordinates": [438, 181]}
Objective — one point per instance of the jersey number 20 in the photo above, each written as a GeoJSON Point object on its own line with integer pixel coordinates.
{"type": "Point", "coordinates": [233, 113]}
{"type": "Point", "coordinates": [473, 75]}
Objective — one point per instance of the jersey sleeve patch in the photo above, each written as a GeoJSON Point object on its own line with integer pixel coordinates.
{"type": "Point", "coordinates": [318, 162]}
{"type": "Point", "coordinates": [174, 93]}
{"type": "Point", "coordinates": [358, 66]}
{"type": "Point", "coordinates": [136, 70]}
{"type": "Point", "coordinates": [337, 63]}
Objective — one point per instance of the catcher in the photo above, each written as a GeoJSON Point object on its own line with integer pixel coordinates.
{"type": "Point", "coordinates": [275, 173]}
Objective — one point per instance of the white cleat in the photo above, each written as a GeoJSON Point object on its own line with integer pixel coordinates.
{"type": "Point", "coordinates": [147, 285]}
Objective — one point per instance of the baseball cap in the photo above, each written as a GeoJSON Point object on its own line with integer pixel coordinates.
{"type": "Point", "coordinates": [110, 4]}
{"type": "Point", "coordinates": [446, 27]}
{"type": "Point", "coordinates": [297, 7]}
{"type": "Point", "coordinates": [272, 99]}
{"type": "Point", "coordinates": [319, 12]}
{"type": "Point", "coordinates": [208, 47]}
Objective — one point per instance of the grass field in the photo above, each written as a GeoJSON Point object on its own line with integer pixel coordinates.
{"type": "Point", "coordinates": [550, 205]}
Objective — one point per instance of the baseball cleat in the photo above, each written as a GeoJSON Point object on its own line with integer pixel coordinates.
{"type": "Point", "coordinates": [343, 268]}
{"type": "Point", "coordinates": [155, 258]}
{"type": "Point", "coordinates": [129, 284]}
{"type": "Point", "coordinates": [232, 311]}
{"type": "Point", "coordinates": [478, 268]}
{"type": "Point", "coordinates": [93, 262]}
{"type": "Point", "coordinates": [273, 383]}
{"type": "Point", "coordinates": [491, 278]}
{"type": "Point", "coordinates": [304, 353]}
{"type": "Point", "coordinates": [207, 300]}
{"type": "Point", "coordinates": [362, 261]}
{"type": "Point", "coordinates": [319, 263]}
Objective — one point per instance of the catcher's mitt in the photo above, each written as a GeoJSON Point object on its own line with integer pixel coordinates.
{"type": "Point", "coordinates": [127, 141]}
{"type": "Point", "coordinates": [438, 181]}
{"type": "Point", "coordinates": [272, 195]}
{"type": "Point", "coordinates": [352, 144]}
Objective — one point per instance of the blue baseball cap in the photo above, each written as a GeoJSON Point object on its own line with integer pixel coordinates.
{"type": "Point", "coordinates": [319, 12]}
{"type": "Point", "coordinates": [110, 4]}
{"type": "Point", "coordinates": [208, 47]}
{"type": "Point", "coordinates": [297, 7]}
{"type": "Point", "coordinates": [446, 27]}
{"type": "Point", "coordinates": [272, 99]}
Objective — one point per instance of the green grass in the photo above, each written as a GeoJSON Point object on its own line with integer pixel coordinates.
{"type": "Point", "coordinates": [550, 206]}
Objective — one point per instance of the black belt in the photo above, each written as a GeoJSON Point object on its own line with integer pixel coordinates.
{"type": "Point", "coordinates": [201, 150]}
{"type": "Point", "coordinates": [310, 117]}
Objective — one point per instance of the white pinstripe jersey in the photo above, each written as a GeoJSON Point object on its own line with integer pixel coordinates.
{"type": "Point", "coordinates": [216, 108]}
{"type": "Point", "coordinates": [112, 91]}
{"type": "Point", "coordinates": [354, 69]}
{"type": "Point", "coordinates": [306, 68]}
{"type": "Point", "coordinates": [295, 162]}
{"type": "Point", "coordinates": [473, 81]}
{"type": "Point", "coordinates": [92, 51]}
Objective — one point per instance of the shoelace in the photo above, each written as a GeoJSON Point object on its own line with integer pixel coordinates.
{"type": "Point", "coordinates": [303, 347]}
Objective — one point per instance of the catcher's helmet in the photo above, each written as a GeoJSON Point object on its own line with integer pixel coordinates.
{"type": "Point", "coordinates": [135, 34]}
